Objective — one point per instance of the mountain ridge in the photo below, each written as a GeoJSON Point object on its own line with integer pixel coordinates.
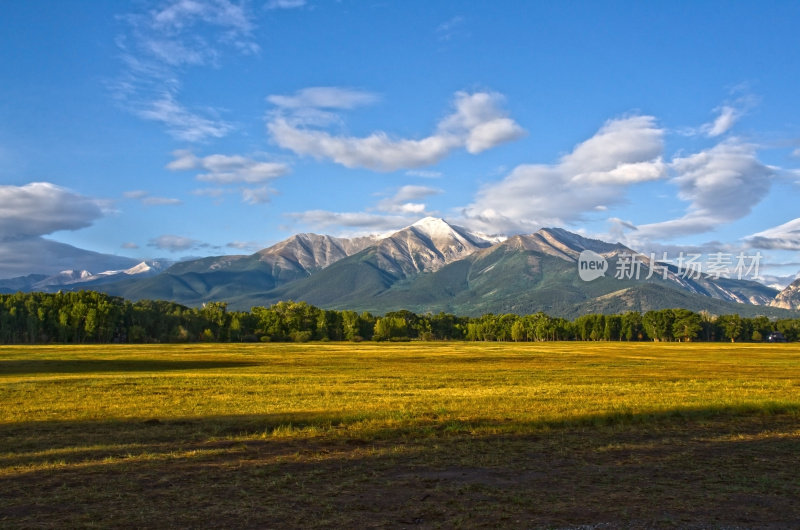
{"type": "Point", "coordinates": [432, 265]}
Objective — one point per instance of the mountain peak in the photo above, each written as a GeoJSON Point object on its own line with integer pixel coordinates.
{"type": "Point", "coordinates": [434, 226]}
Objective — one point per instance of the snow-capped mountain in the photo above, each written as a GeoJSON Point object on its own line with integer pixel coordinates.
{"type": "Point", "coordinates": [82, 278]}
{"type": "Point", "coordinates": [427, 245]}
{"type": "Point", "coordinates": [430, 265]}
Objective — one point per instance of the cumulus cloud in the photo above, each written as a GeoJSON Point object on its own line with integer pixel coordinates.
{"type": "Point", "coordinates": [41, 208]}
{"type": "Point", "coordinates": [173, 243]}
{"type": "Point", "coordinates": [594, 175]}
{"type": "Point", "coordinates": [227, 169]}
{"type": "Point", "coordinates": [721, 184]}
{"type": "Point", "coordinates": [161, 42]}
{"type": "Point", "coordinates": [476, 124]}
{"type": "Point", "coordinates": [783, 237]}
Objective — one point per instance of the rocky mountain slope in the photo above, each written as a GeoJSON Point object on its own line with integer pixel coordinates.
{"type": "Point", "coordinates": [789, 298]}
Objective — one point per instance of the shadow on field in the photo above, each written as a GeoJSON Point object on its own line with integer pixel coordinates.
{"type": "Point", "coordinates": [688, 468]}
{"type": "Point", "coordinates": [85, 366]}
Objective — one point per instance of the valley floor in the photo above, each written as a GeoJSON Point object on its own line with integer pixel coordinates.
{"type": "Point", "coordinates": [428, 435]}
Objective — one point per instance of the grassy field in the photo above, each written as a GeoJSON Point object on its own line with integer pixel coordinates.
{"type": "Point", "coordinates": [427, 435]}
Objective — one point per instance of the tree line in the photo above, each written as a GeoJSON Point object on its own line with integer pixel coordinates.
{"type": "Point", "coordinates": [86, 317]}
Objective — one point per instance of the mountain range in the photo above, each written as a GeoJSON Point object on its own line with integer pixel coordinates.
{"type": "Point", "coordinates": [431, 266]}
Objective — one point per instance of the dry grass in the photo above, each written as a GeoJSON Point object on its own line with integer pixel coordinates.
{"type": "Point", "coordinates": [400, 435]}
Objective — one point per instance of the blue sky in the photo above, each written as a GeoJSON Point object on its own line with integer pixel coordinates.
{"type": "Point", "coordinates": [200, 127]}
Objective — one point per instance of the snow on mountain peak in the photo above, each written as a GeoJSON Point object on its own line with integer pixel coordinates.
{"type": "Point", "coordinates": [434, 227]}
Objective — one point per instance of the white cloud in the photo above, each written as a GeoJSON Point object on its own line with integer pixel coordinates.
{"type": "Point", "coordinates": [402, 202]}
{"type": "Point", "coordinates": [721, 184]}
{"type": "Point", "coordinates": [180, 122]}
{"type": "Point", "coordinates": [130, 245]}
{"type": "Point", "coordinates": [149, 200]}
{"type": "Point", "coordinates": [400, 209]}
{"type": "Point", "coordinates": [225, 169]}
{"type": "Point", "coordinates": [135, 194]}
{"type": "Point", "coordinates": [424, 173]}
{"type": "Point", "coordinates": [161, 201]}
{"type": "Point", "coordinates": [476, 124]}
{"type": "Point", "coordinates": [594, 175]}
{"type": "Point", "coordinates": [160, 43]}
{"type": "Point", "coordinates": [355, 222]}
{"type": "Point", "coordinates": [728, 116]}
{"type": "Point", "coordinates": [728, 113]}
{"type": "Point", "coordinates": [285, 4]}
{"type": "Point", "coordinates": [783, 237]}
{"type": "Point", "coordinates": [41, 208]}
{"type": "Point", "coordinates": [450, 28]}
{"type": "Point", "coordinates": [260, 195]}
{"type": "Point", "coordinates": [324, 98]}
{"type": "Point", "coordinates": [243, 245]}
{"type": "Point", "coordinates": [173, 243]}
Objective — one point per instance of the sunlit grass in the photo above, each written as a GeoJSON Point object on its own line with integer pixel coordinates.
{"type": "Point", "coordinates": [274, 415]}
{"type": "Point", "coordinates": [407, 383]}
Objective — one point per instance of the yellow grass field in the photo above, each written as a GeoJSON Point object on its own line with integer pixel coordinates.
{"type": "Point", "coordinates": [422, 435]}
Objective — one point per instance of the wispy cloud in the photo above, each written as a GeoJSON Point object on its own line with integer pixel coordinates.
{"type": "Point", "coordinates": [725, 120]}
{"type": "Point", "coordinates": [727, 114]}
{"type": "Point", "coordinates": [449, 29]}
{"type": "Point", "coordinates": [424, 173]}
{"type": "Point", "coordinates": [130, 245]}
{"type": "Point", "coordinates": [407, 200]}
{"type": "Point", "coordinates": [161, 42]}
{"type": "Point", "coordinates": [173, 243]}
{"type": "Point", "coordinates": [148, 200]}
{"type": "Point", "coordinates": [231, 170]}
{"type": "Point", "coordinates": [243, 245]}
{"type": "Point", "coordinates": [401, 208]}
{"type": "Point", "coordinates": [285, 4]}
{"type": "Point", "coordinates": [259, 195]}
{"type": "Point", "coordinates": [476, 124]}
{"type": "Point", "coordinates": [351, 223]}
{"type": "Point", "coordinates": [324, 97]}
{"type": "Point", "coordinates": [227, 169]}
{"type": "Point", "coordinates": [180, 122]}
